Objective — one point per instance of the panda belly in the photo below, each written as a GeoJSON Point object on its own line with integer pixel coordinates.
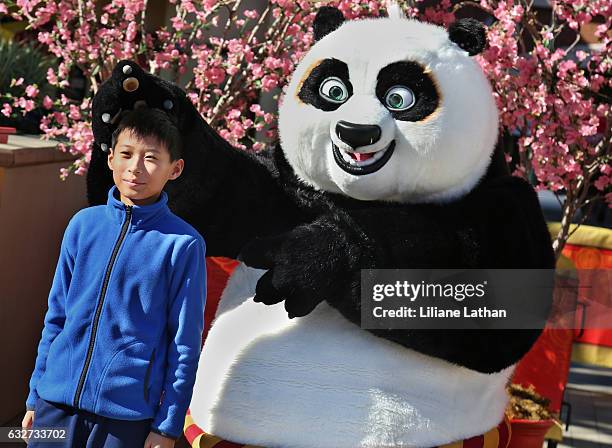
{"type": "Point", "coordinates": [321, 381]}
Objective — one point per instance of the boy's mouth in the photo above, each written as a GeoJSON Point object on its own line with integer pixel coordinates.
{"type": "Point", "coordinates": [132, 183]}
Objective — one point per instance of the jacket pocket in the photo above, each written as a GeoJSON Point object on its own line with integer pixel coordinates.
{"type": "Point", "coordinates": [53, 382]}
{"type": "Point", "coordinates": [148, 376]}
{"type": "Point", "coordinates": [121, 385]}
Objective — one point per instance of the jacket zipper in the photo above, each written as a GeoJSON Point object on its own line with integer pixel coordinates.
{"type": "Point", "coordinates": [94, 328]}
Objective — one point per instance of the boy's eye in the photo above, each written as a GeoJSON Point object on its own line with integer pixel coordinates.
{"type": "Point", "coordinates": [151, 157]}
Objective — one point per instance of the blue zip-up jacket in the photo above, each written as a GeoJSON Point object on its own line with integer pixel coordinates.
{"type": "Point", "coordinates": [125, 315]}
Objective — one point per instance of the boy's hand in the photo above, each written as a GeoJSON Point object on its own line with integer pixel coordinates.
{"type": "Point", "coordinates": [155, 440]}
{"type": "Point", "coordinates": [27, 421]}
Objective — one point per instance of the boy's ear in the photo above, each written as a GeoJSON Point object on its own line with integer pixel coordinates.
{"type": "Point", "coordinates": [109, 159]}
{"type": "Point", "coordinates": [177, 169]}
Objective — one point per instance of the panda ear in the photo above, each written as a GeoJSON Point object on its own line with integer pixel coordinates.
{"type": "Point", "coordinates": [327, 20]}
{"type": "Point", "coordinates": [469, 34]}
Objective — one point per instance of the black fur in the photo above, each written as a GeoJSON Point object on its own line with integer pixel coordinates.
{"type": "Point", "coordinates": [412, 75]}
{"type": "Point", "coordinates": [309, 93]}
{"type": "Point", "coordinates": [469, 34]}
{"type": "Point", "coordinates": [328, 19]}
{"type": "Point", "coordinates": [315, 243]}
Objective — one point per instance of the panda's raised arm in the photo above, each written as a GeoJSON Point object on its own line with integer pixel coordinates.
{"type": "Point", "coordinates": [228, 195]}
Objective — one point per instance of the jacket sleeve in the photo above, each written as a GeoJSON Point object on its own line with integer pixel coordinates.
{"type": "Point", "coordinates": [55, 316]}
{"type": "Point", "coordinates": [185, 325]}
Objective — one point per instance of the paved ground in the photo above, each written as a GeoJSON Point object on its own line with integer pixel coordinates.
{"type": "Point", "coordinates": [589, 391]}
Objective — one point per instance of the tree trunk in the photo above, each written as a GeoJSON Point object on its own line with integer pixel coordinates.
{"type": "Point", "coordinates": [568, 213]}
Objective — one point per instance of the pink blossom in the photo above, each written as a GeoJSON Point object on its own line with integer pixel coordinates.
{"type": "Point", "coordinates": [269, 82]}
{"type": "Point", "coordinates": [47, 102]}
{"type": "Point", "coordinates": [237, 130]}
{"type": "Point", "coordinates": [233, 114]}
{"type": "Point", "coordinates": [130, 33]}
{"type": "Point", "coordinates": [581, 55]}
{"type": "Point", "coordinates": [74, 114]}
{"type": "Point", "coordinates": [216, 75]}
{"type": "Point", "coordinates": [235, 46]}
{"type": "Point", "coordinates": [179, 24]}
{"type": "Point", "coordinates": [602, 29]}
{"type": "Point", "coordinates": [6, 109]}
{"type": "Point", "coordinates": [272, 63]}
{"type": "Point", "coordinates": [251, 14]}
{"type": "Point", "coordinates": [257, 70]}
{"type": "Point", "coordinates": [194, 97]}
{"type": "Point", "coordinates": [31, 90]}
{"type": "Point", "coordinates": [209, 4]}
{"type": "Point", "coordinates": [256, 109]}
{"type": "Point", "coordinates": [24, 104]}
{"type": "Point", "coordinates": [602, 182]}
{"type": "Point", "coordinates": [51, 77]}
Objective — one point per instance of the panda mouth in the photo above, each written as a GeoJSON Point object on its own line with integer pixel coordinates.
{"type": "Point", "coordinates": [364, 162]}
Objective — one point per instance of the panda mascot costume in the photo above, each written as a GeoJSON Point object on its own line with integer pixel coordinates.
{"type": "Point", "coordinates": [386, 160]}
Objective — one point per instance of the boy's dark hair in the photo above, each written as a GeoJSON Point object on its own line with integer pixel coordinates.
{"type": "Point", "coordinates": [145, 122]}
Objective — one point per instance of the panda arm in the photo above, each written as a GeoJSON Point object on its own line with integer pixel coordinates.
{"type": "Point", "coordinates": [501, 226]}
{"type": "Point", "coordinates": [232, 197]}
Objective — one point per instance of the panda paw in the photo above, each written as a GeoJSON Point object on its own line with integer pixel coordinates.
{"type": "Point", "coordinates": [303, 265]}
{"type": "Point", "coordinates": [271, 290]}
{"type": "Point", "coordinates": [130, 87]}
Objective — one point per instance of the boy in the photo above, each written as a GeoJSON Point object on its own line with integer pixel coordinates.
{"type": "Point", "coordinates": [126, 307]}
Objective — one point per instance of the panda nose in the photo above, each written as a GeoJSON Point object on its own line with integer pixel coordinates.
{"type": "Point", "coordinates": [357, 135]}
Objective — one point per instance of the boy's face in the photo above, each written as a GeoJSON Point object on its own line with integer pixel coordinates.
{"type": "Point", "coordinates": [141, 167]}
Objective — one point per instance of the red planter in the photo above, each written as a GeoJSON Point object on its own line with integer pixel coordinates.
{"type": "Point", "coordinates": [528, 433]}
{"type": "Point", "coordinates": [4, 133]}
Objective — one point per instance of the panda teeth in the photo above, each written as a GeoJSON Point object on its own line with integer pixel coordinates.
{"type": "Point", "coordinates": [346, 156]}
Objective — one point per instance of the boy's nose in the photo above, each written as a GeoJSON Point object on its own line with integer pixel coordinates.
{"type": "Point", "coordinates": [134, 168]}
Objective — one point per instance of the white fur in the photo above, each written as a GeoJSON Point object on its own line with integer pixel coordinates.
{"type": "Point", "coordinates": [436, 160]}
{"type": "Point", "coordinates": [320, 381]}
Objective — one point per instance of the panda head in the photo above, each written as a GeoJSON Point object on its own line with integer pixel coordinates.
{"type": "Point", "coordinates": [390, 109]}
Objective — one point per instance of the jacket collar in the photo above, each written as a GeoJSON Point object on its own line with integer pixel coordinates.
{"type": "Point", "coordinates": [142, 215]}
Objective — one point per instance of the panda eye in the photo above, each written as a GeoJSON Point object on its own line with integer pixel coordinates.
{"type": "Point", "coordinates": [333, 89]}
{"type": "Point", "coordinates": [399, 98]}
